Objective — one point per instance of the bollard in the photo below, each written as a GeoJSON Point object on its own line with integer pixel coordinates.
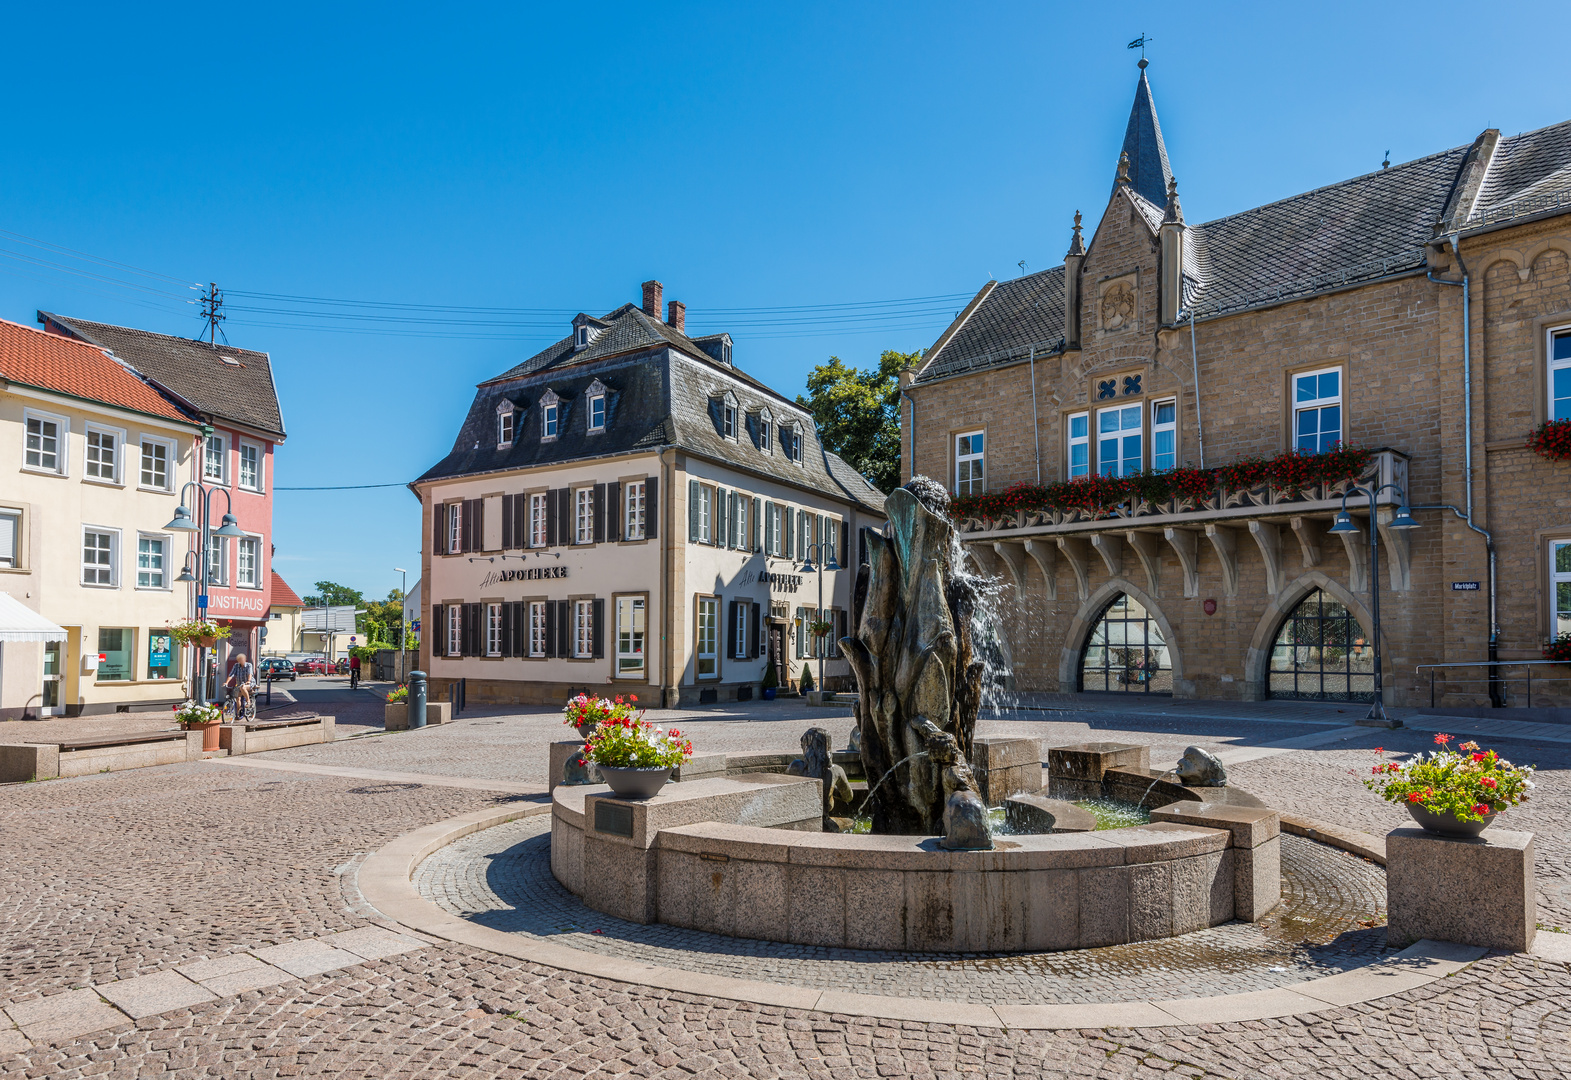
{"type": "Point", "coordinates": [417, 699]}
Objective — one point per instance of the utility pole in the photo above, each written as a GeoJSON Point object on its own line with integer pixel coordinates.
{"type": "Point", "coordinates": [213, 311]}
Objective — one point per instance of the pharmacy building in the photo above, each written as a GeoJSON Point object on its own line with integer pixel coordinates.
{"type": "Point", "coordinates": [1151, 443]}
{"type": "Point", "coordinates": [628, 512]}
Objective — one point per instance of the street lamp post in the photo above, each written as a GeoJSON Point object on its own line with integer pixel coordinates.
{"type": "Point", "coordinates": [403, 622]}
{"type": "Point", "coordinates": [809, 568]}
{"type": "Point", "coordinates": [228, 527]}
{"type": "Point", "coordinates": [1402, 519]}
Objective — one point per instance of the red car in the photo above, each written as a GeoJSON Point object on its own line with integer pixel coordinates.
{"type": "Point", "coordinates": [311, 665]}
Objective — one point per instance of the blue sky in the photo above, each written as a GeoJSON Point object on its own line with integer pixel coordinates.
{"type": "Point", "coordinates": [547, 159]}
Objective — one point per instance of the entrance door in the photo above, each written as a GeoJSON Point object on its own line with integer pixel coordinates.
{"type": "Point", "coordinates": [54, 665]}
{"type": "Point", "coordinates": [777, 653]}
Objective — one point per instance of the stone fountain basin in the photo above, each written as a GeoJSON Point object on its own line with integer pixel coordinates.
{"type": "Point", "coordinates": [734, 856]}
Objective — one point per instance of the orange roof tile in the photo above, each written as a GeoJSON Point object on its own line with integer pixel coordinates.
{"type": "Point", "coordinates": [52, 362]}
{"type": "Point", "coordinates": [283, 595]}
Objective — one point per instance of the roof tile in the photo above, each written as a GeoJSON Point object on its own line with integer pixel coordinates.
{"type": "Point", "coordinates": [66, 366]}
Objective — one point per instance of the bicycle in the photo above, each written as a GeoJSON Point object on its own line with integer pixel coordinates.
{"type": "Point", "coordinates": [232, 712]}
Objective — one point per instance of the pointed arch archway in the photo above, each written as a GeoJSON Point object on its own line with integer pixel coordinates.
{"type": "Point", "coordinates": [1333, 637]}
{"type": "Point", "coordinates": [1139, 651]}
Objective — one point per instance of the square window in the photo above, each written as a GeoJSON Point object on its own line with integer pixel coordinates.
{"type": "Point", "coordinates": [151, 552]}
{"type": "Point", "coordinates": [250, 466]}
{"type": "Point", "coordinates": [969, 464]}
{"type": "Point", "coordinates": [1560, 375]}
{"type": "Point", "coordinates": [155, 464]}
{"type": "Point", "coordinates": [116, 649]}
{"type": "Point", "coordinates": [213, 459]}
{"type": "Point", "coordinates": [1164, 435]}
{"type": "Point", "coordinates": [1317, 410]}
{"type": "Point", "coordinates": [1119, 450]}
{"type": "Point", "coordinates": [98, 556]}
{"type": "Point", "coordinates": [43, 445]}
{"type": "Point", "coordinates": [247, 560]}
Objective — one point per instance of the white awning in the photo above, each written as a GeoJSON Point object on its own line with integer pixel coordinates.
{"type": "Point", "coordinates": [21, 623]}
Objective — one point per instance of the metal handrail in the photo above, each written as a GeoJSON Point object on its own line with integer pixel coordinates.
{"type": "Point", "coordinates": [1529, 664]}
{"type": "Point", "coordinates": [1490, 663]}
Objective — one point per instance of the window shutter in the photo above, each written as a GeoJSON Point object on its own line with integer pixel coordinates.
{"type": "Point", "coordinates": [735, 650]}
{"type": "Point", "coordinates": [480, 526]}
{"type": "Point", "coordinates": [752, 632]}
{"type": "Point", "coordinates": [507, 522]}
{"type": "Point", "coordinates": [753, 525]}
{"type": "Point", "coordinates": [439, 528]}
{"type": "Point", "coordinates": [520, 521]}
{"type": "Point", "coordinates": [564, 628]}
{"type": "Point", "coordinates": [550, 519]}
{"type": "Point", "coordinates": [843, 550]}
{"type": "Point", "coordinates": [720, 524]}
{"type": "Point", "coordinates": [598, 509]}
{"type": "Point", "coordinates": [613, 511]}
{"type": "Point", "coordinates": [507, 629]}
{"type": "Point", "coordinates": [565, 515]}
{"type": "Point", "coordinates": [466, 645]}
{"type": "Point", "coordinates": [800, 631]}
{"type": "Point", "coordinates": [790, 540]}
{"type": "Point", "coordinates": [438, 639]}
{"type": "Point", "coordinates": [861, 546]}
{"type": "Point", "coordinates": [737, 506]}
{"type": "Point", "coordinates": [466, 519]}
{"type": "Point", "coordinates": [597, 616]}
{"type": "Point", "coordinates": [692, 511]}
{"type": "Point", "coordinates": [550, 628]}
{"type": "Point", "coordinates": [652, 507]}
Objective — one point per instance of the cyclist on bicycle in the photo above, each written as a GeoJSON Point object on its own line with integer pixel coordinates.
{"type": "Point", "coordinates": [241, 677]}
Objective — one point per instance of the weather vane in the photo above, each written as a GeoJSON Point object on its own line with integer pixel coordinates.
{"type": "Point", "coordinates": [1140, 43]}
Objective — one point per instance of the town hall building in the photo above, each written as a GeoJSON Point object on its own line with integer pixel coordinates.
{"type": "Point", "coordinates": [1107, 425]}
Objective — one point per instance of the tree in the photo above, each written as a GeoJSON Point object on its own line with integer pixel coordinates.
{"type": "Point", "coordinates": [332, 594]}
{"type": "Point", "coordinates": [858, 413]}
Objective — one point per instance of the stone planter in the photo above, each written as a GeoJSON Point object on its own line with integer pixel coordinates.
{"type": "Point", "coordinates": [210, 734]}
{"type": "Point", "coordinates": [631, 783]}
{"type": "Point", "coordinates": [1447, 824]}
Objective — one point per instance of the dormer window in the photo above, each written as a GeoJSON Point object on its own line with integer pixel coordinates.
{"type": "Point", "coordinates": [504, 424]}
{"type": "Point", "coordinates": [728, 415]}
{"type": "Point", "coordinates": [725, 349]}
{"type": "Point", "coordinates": [582, 340]}
{"type": "Point", "coordinates": [793, 443]}
{"type": "Point", "coordinates": [766, 431]}
{"type": "Point", "coordinates": [597, 413]}
{"type": "Point", "coordinates": [550, 415]}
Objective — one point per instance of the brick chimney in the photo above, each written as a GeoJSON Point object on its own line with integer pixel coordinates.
{"type": "Point", "coordinates": [652, 291]}
{"type": "Point", "coordinates": [677, 316]}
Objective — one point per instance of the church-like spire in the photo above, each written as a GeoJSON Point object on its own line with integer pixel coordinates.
{"type": "Point", "coordinates": [1148, 170]}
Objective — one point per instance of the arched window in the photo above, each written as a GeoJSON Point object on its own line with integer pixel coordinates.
{"type": "Point", "coordinates": [1126, 652]}
{"type": "Point", "coordinates": [1322, 654]}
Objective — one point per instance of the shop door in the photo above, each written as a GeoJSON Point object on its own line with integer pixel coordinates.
{"type": "Point", "coordinates": [54, 665]}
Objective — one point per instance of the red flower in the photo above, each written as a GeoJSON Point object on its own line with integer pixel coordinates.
{"type": "Point", "coordinates": [1442, 739]}
{"type": "Point", "coordinates": [1414, 796]}
{"type": "Point", "coordinates": [1480, 757]}
{"type": "Point", "coordinates": [1380, 749]}
{"type": "Point", "coordinates": [1481, 809]}
{"type": "Point", "coordinates": [1489, 782]}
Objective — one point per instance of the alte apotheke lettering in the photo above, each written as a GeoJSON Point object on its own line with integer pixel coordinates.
{"type": "Point", "coordinates": [528, 573]}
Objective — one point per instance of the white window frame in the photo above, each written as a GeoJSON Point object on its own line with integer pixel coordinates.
{"type": "Point", "coordinates": [163, 582]}
{"type": "Point", "coordinates": [493, 629]}
{"type": "Point", "coordinates": [583, 629]}
{"type": "Point", "coordinates": [1558, 578]}
{"type": "Point", "coordinates": [597, 403]}
{"type": "Point", "coordinates": [739, 631]}
{"type": "Point", "coordinates": [550, 421]}
{"type": "Point", "coordinates": [581, 337]}
{"type": "Point", "coordinates": [1083, 440]}
{"type": "Point", "coordinates": [1562, 364]}
{"type": "Point", "coordinates": [116, 438]}
{"type": "Point", "coordinates": [584, 516]}
{"type": "Point", "coordinates": [13, 516]}
{"type": "Point", "coordinates": [61, 437]}
{"type": "Point", "coordinates": [537, 642]}
{"type": "Point", "coordinates": [970, 462]}
{"type": "Point", "coordinates": [706, 643]}
{"type": "Point", "coordinates": [113, 565]}
{"type": "Point", "coordinates": [455, 629]}
{"type": "Point", "coordinates": [744, 507]}
{"type": "Point", "coordinates": [220, 441]}
{"type": "Point", "coordinates": [218, 569]}
{"type": "Point", "coordinates": [634, 495]}
{"type": "Point", "coordinates": [728, 417]}
{"type": "Point", "coordinates": [632, 642]}
{"type": "Point", "coordinates": [1118, 436]}
{"type": "Point", "coordinates": [766, 428]}
{"type": "Point", "coordinates": [505, 421]}
{"type": "Point", "coordinates": [171, 459]}
{"type": "Point", "coordinates": [256, 568]}
{"type": "Point", "coordinates": [706, 495]}
{"type": "Point", "coordinates": [1160, 428]}
{"type": "Point", "coordinates": [241, 446]}
{"type": "Point", "coordinates": [1316, 404]}
{"type": "Point", "coordinates": [455, 527]}
{"type": "Point", "coordinates": [537, 519]}
{"type": "Point", "coordinates": [773, 541]}
{"type": "Point", "coordinates": [794, 452]}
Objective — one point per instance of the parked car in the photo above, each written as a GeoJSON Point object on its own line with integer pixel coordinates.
{"type": "Point", "coordinates": [311, 665]}
{"type": "Point", "coordinates": [276, 668]}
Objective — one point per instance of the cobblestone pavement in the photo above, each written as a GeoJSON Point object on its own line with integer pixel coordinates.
{"type": "Point", "coordinates": [123, 874]}
{"type": "Point", "coordinates": [501, 878]}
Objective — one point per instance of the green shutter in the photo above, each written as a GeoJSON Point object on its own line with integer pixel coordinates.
{"type": "Point", "coordinates": [692, 511]}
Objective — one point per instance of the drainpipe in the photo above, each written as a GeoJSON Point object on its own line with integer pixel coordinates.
{"type": "Point", "coordinates": [1496, 697]}
{"type": "Point", "coordinates": [1035, 432]}
{"type": "Point", "coordinates": [1194, 366]}
{"type": "Point", "coordinates": [905, 394]}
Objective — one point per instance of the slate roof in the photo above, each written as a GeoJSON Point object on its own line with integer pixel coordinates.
{"type": "Point", "coordinates": [1362, 229]}
{"type": "Point", "coordinates": [51, 362]}
{"type": "Point", "coordinates": [662, 390]}
{"type": "Point", "coordinates": [194, 371]}
{"type": "Point", "coordinates": [283, 595]}
{"type": "Point", "coordinates": [1148, 169]}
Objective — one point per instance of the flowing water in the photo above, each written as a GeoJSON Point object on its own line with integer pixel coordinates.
{"type": "Point", "coordinates": [987, 623]}
{"type": "Point", "coordinates": [1115, 814]}
{"type": "Point", "coordinates": [863, 822]}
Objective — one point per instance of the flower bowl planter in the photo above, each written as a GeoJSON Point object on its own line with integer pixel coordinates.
{"type": "Point", "coordinates": [632, 783]}
{"type": "Point", "coordinates": [207, 642]}
{"type": "Point", "coordinates": [210, 735]}
{"type": "Point", "coordinates": [1447, 824]}
{"type": "Point", "coordinates": [770, 692]}
{"type": "Point", "coordinates": [586, 730]}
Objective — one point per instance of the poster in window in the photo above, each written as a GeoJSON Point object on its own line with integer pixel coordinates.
{"type": "Point", "coordinates": [160, 648]}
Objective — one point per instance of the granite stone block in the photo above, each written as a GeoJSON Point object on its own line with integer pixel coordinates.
{"type": "Point", "coordinates": [873, 902]}
{"type": "Point", "coordinates": [1052, 909]}
{"type": "Point", "coordinates": [1249, 826]}
{"type": "Point", "coordinates": [1257, 879]}
{"type": "Point", "coordinates": [761, 903]}
{"type": "Point", "coordinates": [1104, 906]}
{"type": "Point", "coordinates": [1151, 900]}
{"type": "Point", "coordinates": [1473, 891]}
{"type": "Point", "coordinates": [816, 898]}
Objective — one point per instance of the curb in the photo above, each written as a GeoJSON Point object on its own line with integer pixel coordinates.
{"type": "Point", "coordinates": [385, 883]}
